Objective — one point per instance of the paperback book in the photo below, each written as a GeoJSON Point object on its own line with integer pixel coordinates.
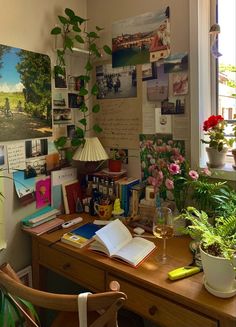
{"type": "Point", "coordinates": [116, 241]}
{"type": "Point", "coordinates": [80, 236]}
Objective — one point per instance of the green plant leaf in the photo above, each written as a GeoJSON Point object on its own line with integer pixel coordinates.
{"type": "Point", "coordinates": [77, 142]}
{"type": "Point", "coordinates": [79, 133]}
{"type": "Point", "coordinates": [60, 142]}
{"type": "Point", "coordinates": [83, 91]}
{"type": "Point", "coordinates": [83, 121]}
{"type": "Point", "coordinates": [107, 49]}
{"type": "Point", "coordinates": [93, 48]}
{"type": "Point", "coordinates": [95, 89]}
{"type": "Point", "coordinates": [76, 29]}
{"type": "Point", "coordinates": [83, 107]}
{"type": "Point", "coordinates": [99, 28]}
{"type": "Point", "coordinates": [84, 78]}
{"type": "Point", "coordinates": [93, 35]}
{"type": "Point", "coordinates": [88, 66]}
{"type": "Point", "coordinates": [79, 39]}
{"type": "Point", "coordinates": [69, 43]}
{"type": "Point", "coordinates": [96, 108]}
{"type": "Point", "coordinates": [63, 20]}
{"type": "Point", "coordinates": [56, 31]}
{"type": "Point", "coordinates": [97, 128]}
{"type": "Point", "coordinates": [69, 12]}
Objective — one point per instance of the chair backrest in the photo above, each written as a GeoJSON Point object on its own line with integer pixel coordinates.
{"type": "Point", "coordinates": [107, 302]}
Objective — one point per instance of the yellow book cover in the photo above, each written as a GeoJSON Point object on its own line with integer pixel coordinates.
{"type": "Point", "coordinates": [75, 240]}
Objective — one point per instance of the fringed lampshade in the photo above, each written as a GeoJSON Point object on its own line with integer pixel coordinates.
{"type": "Point", "coordinates": [91, 151]}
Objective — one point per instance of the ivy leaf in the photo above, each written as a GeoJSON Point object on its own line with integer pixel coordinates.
{"type": "Point", "coordinates": [88, 66]}
{"type": "Point", "coordinates": [83, 107]}
{"type": "Point", "coordinates": [97, 128]}
{"type": "Point", "coordinates": [81, 20]}
{"type": "Point", "coordinates": [84, 78]}
{"type": "Point", "coordinates": [69, 12]}
{"type": "Point", "coordinates": [83, 91]}
{"type": "Point", "coordinates": [107, 49]}
{"type": "Point", "coordinates": [95, 89]}
{"type": "Point", "coordinates": [69, 43]}
{"type": "Point", "coordinates": [79, 133]}
{"type": "Point", "coordinates": [77, 142]}
{"type": "Point", "coordinates": [56, 31]}
{"type": "Point", "coordinates": [63, 20]}
{"type": "Point", "coordinates": [99, 28]}
{"type": "Point", "coordinates": [79, 39]}
{"type": "Point", "coordinates": [93, 35]}
{"type": "Point", "coordinates": [96, 108]}
{"type": "Point", "coordinates": [83, 121]}
{"type": "Point", "coordinates": [93, 48]}
{"type": "Point", "coordinates": [76, 28]}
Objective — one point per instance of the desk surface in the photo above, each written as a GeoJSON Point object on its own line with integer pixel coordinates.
{"type": "Point", "coordinates": [149, 279]}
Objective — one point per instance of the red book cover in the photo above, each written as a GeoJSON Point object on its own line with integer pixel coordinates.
{"type": "Point", "coordinates": [71, 194]}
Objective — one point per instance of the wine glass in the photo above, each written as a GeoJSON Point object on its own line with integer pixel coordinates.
{"type": "Point", "coordinates": [163, 228]}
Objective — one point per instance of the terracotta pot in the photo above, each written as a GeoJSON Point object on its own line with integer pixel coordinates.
{"type": "Point", "coordinates": [114, 165]}
{"type": "Point", "coordinates": [234, 156]}
{"type": "Point", "coordinates": [216, 158]}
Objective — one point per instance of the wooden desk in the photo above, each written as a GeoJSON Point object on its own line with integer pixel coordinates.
{"type": "Point", "coordinates": [182, 303]}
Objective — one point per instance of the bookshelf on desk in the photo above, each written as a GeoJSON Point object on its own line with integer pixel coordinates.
{"type": "Point", "coordinates": [183, 303]}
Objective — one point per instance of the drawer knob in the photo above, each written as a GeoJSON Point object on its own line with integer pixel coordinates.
{"type": "Point", "coordinates": [66, 266]}
{"type": "Point", "coordinates": [152, 310]}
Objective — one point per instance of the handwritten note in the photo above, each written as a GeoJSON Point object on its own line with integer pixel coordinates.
{"type": "Point", "coordinates": [16, 156]}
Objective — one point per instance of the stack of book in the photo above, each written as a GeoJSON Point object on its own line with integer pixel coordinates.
{"type": "Point", "coordinates": [40, 217]}
{"type": "Point", "coordinates": [124, 192]}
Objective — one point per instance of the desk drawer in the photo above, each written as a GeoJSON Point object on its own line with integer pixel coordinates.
{"type": "Point", "coordinates": [79, 271]}
{"type": "Point", "coordinates": [160, 310]}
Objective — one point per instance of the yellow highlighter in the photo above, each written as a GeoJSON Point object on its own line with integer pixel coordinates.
{"type": "Point", "coordinates": [183, 272]}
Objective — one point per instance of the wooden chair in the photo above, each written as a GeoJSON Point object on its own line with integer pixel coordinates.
{"type": "Point", "coordinates": [101, 307]}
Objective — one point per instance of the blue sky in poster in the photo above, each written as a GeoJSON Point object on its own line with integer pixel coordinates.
{"type": "Point", "coordinates": [10, 78]}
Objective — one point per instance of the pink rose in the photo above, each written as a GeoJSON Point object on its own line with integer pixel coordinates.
{"type": "Point", "coordinates": [174, 169]}
{"type": "Point", "coordinates": [169, 184]}
{"type": "Point", "coordinates": [193, 174]}
{"type": "Point", "coordinates": [206, 172]}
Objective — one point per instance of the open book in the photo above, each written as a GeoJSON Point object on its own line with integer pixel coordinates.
{"type": "Point", "coordinates": [116, 241]}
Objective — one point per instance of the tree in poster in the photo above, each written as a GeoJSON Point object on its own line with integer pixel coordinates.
{"type": "Point", "coordinates": [35, 74]}
{"type": "Point", "coordinates": [3, 49]}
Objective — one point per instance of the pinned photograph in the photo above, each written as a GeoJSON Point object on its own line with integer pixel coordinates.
{"type": "Point", "coordinates": [60, 80]}
{"type": "Point", "coordinates": [180, 83]}
{"type": "Point", "coordinates": [116, 82]}
{"type": "Point", "coordinates": [25, 94]}
{"type": "Point", "coordinates": [157, 89]}
{"type": "Point", "coordinates": [149, 71]}
{"type": "Point", "coordinates": [173, 106]}
{"type": "Point", "coordinates": [141, 39]}
{"type": "Point", "coordinates": [176, 63]}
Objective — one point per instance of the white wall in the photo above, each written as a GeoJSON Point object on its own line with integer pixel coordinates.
{"type": "Point", "coordinates": [26, 24]}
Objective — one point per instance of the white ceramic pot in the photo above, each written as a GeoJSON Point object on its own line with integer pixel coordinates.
{"type": "Point", "coordinates": [218, 272]}
{"type": "Point", "coordinates": [216, 158]}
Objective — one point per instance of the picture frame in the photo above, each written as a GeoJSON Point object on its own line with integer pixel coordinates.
{"type": "Point", "coordinates": [60, 80]}
{"type": "Point", "coordinates": [173, 106]}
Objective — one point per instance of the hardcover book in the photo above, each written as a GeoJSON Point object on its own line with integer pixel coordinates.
{"type": "Point", "coordinates": [58, 177]}
{"type": "Point", "coordinates": [80, 236]}
{"type": "Point", "coordinates": [45, 227]}
{"type": "Point", "coordinates": [71, 195]}
{"type": "Point", "coordinates": [116, 241]}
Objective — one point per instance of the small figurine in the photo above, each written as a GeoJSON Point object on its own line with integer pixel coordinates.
{"type": "Point", "coordinates": [117, 211]}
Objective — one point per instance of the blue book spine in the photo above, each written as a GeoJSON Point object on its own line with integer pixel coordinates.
{"type": "Point", "coordinates": [127, 194]}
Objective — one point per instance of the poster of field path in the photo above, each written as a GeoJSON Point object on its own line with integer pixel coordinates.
{"type": "Point", "coordinates": [25, 94]}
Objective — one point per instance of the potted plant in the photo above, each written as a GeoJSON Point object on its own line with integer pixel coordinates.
{"type": "Point", "coordinates": [234, 150]}
{"type": "Point", "coordinates": [117, 156]}
{"type": "Point", "coordinates": [73, 33]}
{"type": "Point", "coordinates": [218, 144]}
{"type": "Point", "coordinates": [217, 248]}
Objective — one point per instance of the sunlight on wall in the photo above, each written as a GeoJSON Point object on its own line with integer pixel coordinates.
{"type": "Point", "coordinates": [2, 226]}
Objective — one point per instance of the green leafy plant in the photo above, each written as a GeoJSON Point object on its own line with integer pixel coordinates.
{"type": "Point", "coordinates": [218, 239]}
{"type": "Point", "coordinates": [73, 32]}
{"type": "Point", "coordinates": [10, 315]}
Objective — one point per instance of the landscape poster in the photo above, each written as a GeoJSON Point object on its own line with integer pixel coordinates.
{"type": "Point", "coordinates": [141, 39]}
{"type": "Point", "coordinates": [25, 94]}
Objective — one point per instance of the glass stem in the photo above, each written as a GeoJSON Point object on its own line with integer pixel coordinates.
{"type": "Point", "coordinates": [164, 249]}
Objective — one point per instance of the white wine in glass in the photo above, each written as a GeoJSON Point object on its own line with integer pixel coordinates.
{"type": "Point", "coordinates": [163, 228]}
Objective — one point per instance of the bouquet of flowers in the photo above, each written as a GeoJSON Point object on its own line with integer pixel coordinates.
{"type": "Point", "coordinates": [214, 128]}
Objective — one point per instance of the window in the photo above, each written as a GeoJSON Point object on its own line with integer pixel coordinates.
{"type": "Point", "coordinates": [226, 63]}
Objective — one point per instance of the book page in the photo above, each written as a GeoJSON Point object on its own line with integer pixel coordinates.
{"type": "Point", "coordinates": [114, 236]}
{"type": "Point", "coordinates": [135, 251]}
